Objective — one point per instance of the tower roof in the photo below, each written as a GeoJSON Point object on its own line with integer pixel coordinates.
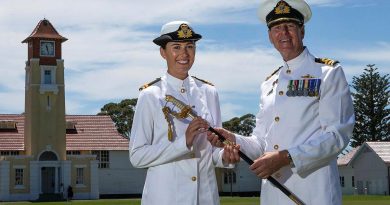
{"type": "Point", "coordinates": [46, 30]}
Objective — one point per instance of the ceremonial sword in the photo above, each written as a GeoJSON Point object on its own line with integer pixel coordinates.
{"type": "Point", "coordinates": [186, 111]}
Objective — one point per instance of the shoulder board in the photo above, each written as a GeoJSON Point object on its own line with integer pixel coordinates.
{"type": "Point", "coordinates": [273, 73]}
{"type": "Point", "coordinates": [326, 61]}
{"type": "Point", "coordinates": [149, 84]}
{"type": "Point", "coordinates": [204, 81]}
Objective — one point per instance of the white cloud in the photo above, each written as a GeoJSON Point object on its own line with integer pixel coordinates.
{"type": "Point", "coordinates": [109, 53]}
{"type": "Point", "coordinates": [237, 70]}
{"type": "Point", "coordinates": [229, 110]}
{"type": "Point", "coordinates": [136, 13]}
{"type": "Point", "coordinates": [322, 2]}
{"type": "Point", "coordinates": [337, 3]}
{"type": "Point", "coordinates": [12, 102]}
{"type": "Point", "coordinates": [378, 53]}
{"type": "Point", "coordinates": [230, 70]}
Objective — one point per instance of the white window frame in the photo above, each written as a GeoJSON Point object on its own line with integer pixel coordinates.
{"type": "Point", "coordinates": [103, 156]}
{"type": "Point", "coordinates": [52, 70]}
{"type": "Point", "coordinates": [52, 87]}
{"type": "Point", "coordinates": [229, 177]}
{"type": "Point", "coordinates": [19, 177]}
{"type": "Point", "coordinates": [80, 176]}
{"type": "Point", "coordinates": [47, 79]}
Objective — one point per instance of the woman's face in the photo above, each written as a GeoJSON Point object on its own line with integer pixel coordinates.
{"type": "Point", "coordinates": [179, 56]}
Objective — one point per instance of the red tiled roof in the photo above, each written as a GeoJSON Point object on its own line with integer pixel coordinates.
{"type": "Point", "coordinates": [45, 29]}
{"type": "Point", "coordinates": [12, 139]}
{"type": "Point", "coordinates": [93, 132]}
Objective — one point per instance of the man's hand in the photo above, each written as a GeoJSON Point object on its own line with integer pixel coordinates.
{"type": "Point", "coordinates": [213, 138]}
{"type": "Point", "coordinates": [197, 126]}
{"type": "Point", "coordinates": [269, 163]}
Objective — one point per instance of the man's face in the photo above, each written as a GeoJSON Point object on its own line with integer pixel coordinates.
{"type": "Point", "coordinates": [287, 38]}
{"type": "Point", "coordinates": [179, 56]}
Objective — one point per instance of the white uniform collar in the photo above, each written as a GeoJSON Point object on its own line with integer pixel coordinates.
{"type": "Point", "coordinates": [297, 60]}
{"type": "Point", "coordinates": [195, 94]}
{"type": "Point", "coordinates": [177, 83]}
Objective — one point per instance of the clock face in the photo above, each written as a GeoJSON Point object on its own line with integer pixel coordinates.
{"type": "Point", "coordinates": [47, 48]}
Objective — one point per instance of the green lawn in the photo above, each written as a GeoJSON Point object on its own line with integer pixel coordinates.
{"type": "Point", "coordinates": [347, 200]}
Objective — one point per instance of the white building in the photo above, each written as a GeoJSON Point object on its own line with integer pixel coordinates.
{"type": "Point", "coordinates": [366, 169]}
{"type": "Point", "coordinates": [238, 181]}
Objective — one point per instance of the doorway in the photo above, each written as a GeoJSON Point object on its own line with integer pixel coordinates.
{"type": "Point", "coordinates": [48, 180]}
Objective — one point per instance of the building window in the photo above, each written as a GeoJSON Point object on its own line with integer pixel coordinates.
{"type": "Point", "coordinates": [229, 177]}
{"type": "Point", "coordinates": [79, 176]}
{"type": "Point", "coordinates": [19, 177]}
{"type": "Point", "coordinates": [47, 77]}
{"type": "Point", "coordinates": [71, 127]}
{"type": "Point", "coordinates": [353, 181]}
{"type": "Point", "coordinates": [9, 153]}
{"type": "Point", "coordinates": [48, 74]}
{"type": "Point", "coordinates": [8, 126]}
{"type": "Point", "coordinates": [73, 152]}
{"type": "Point", "coordinates": [104, 158]}
{"type": "Point", "coordinates": [342, 181]}
{"type": "Point", "coordinates": [48, 156]}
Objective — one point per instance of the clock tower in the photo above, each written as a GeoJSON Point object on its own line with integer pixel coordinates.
{"type": "Point", "coordinates": [45, 124]}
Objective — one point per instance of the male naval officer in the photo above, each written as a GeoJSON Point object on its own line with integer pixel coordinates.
{"type": "Point", "coordinates": [305, 116]}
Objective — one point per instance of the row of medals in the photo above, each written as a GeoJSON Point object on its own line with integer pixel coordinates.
{"type": "Point", "coordinates": [305, 87]}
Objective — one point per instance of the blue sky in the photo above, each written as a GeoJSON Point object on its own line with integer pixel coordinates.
{"type": "Point", "coordinates": [110, 52]}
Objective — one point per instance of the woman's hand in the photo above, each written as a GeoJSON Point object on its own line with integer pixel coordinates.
{"type": "Point", "coordinates": [196, 127]}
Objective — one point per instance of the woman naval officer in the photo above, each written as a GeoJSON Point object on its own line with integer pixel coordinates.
{"type": "Point", "coordinates": [179, 159]}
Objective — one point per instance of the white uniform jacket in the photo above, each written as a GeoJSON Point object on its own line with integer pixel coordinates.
{"type": "Point", "coordinates": [314, 129]}
{"type": "Point", "coordinates": [176, 175]}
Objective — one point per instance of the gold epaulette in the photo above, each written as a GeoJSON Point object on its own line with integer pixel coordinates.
{"type": "Point", "coordinates": [201, 80]}
{"type": "Point", "coordinates": [273, 73]}
{"type": "Point", "coordinates": [326, 61]}
{"type": "Point", "coordinates": [149, 84]}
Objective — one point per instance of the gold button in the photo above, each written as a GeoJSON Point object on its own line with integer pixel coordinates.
{"type": "Point", "coordinates": [276, 146]}
{"type": "Point", "coordinates": [288, 71]}
{"type": "Point", "coordinates": [281, 92]}
{"type": "Point", "coordinates": [193, 178]}
{"type": "Point", "coordinates": [192, 155]}
{"type": "Point", "coordinates": [182, 90]}
{"type": "Point", "coordinates": [277, 119]}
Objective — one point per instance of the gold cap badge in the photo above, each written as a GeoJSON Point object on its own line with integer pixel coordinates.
{"type": "Point", "coordinates": [184, 31]}
{"type": "Point", "coordinates": [282, 8]}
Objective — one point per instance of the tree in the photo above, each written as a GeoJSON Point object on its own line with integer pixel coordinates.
{"type": "Point", "coordinates": [371, 102]}
{"type": "Point", "coordinates": [241, 125]}
{"type": "Point", "coordinates": [122, 114]}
